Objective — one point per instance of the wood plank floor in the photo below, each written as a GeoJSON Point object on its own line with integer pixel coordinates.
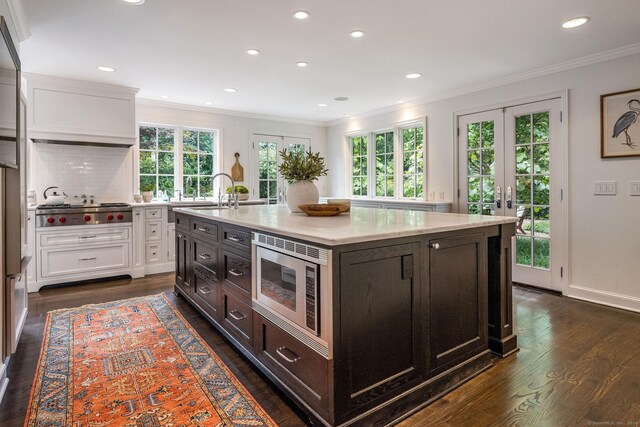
{"type": "Point", "coordinates": [578, 364]}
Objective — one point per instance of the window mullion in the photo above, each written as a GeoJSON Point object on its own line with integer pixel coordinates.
{"type": "Point", "coordinates": [178, 166]}
{"type": "Point", "coordinates": [398, 170]}
{"type": "Point", "coordinates": [371, 166]}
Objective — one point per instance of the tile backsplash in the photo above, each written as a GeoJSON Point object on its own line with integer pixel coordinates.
{"type": "Point", "coordinates": [105, 172]}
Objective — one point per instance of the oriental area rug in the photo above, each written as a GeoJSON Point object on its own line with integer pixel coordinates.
{"type": "Point", "coordinates": [134, 363]}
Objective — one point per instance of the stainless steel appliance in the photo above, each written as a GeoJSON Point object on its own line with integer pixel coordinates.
{"type": "Point", "coordinates": [291, 288]}
{"type": "Point", "coordinates": [66, 215]}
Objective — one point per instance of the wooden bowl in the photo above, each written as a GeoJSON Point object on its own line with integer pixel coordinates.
{"type": "Point", "coordinates": [323, 209]}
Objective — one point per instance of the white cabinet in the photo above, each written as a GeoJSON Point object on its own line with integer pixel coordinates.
{"type": "Point", "coordinates": [77, 111]}
{"type": "Point", "coordinates": [152, 231]}
{"type": "Point", "coordinates": [31, 246]}
{"type": "Point", "coordinates": [138, 242]}
{"type": "Point", "coordinates": [153, 252]}
{"type": "Point", "coordinates": [402, 205]}
{"type": "Point", "coordinates": [66, 262]}
{"type": "Point", "coordinates": [154, 240]}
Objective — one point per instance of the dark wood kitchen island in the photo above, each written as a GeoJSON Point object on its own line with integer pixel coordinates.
{"type": "Point", "coordinates": [400, 306]}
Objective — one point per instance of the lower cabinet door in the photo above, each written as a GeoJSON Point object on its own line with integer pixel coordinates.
{"type": "Point", "coordinates": [183, 261]}
{"type": "Point", "coordinates": [206, 289]}
{"type": "Point", "coordinates": [237, 318]}
{"type": "Point", "coordinates": [298, 366]}
{"type": "Point", "coordinates": [382, 351]}
{"type": "Point", "coordinates": [237, 271]}
{"type": "Point", "coordinates": [64, 262]}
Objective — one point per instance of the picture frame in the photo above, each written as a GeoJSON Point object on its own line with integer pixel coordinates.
{"type": "Point", "coordinates": [620, 124]}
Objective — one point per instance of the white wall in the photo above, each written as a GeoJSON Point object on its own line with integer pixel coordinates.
{"type": "Point", "coordinates": [604, 232]}
{"type": "Point", "coordinates": [236, 132]}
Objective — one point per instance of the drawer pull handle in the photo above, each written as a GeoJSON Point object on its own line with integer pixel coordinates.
{"type": "Point", "coordinates": [293, 359]}
{"type": "Point", "coordinates": [235, 238]}
{"type": "Point", "coordinates": [205, 290]}
{"type": "Point", "coordinates": [236, 272]}
{"type": "Point", "coordinates": [205, 229]}
{"type": "Point", "coordinates": [235, 314]}
{"type": "Point", "coordinates": [87, 259]}
{"type": "Point", "coordinates": [153, 231]}
{"type": "Point", "coordinates": [435, 246]}
{"type": "Point", "coordinates": [204, 256]}
{"type": "Point", "coordinates": [180, 236]}
{"type": "Point", "coordinates": [86, 237]}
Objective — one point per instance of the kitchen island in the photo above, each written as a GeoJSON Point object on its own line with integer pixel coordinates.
{"type": "Point", "coordinates": [361, 319]}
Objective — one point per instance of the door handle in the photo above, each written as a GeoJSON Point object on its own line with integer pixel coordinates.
{"type": "Point", "coordinates": [236, 272]}
{"type": "Point", "coordinates": [498, 197]}
{"type": "Point", "coordinates": [204, 256]}
{"type": "Point", "coordinates": [293, 359]}
{"type": "Point", "coordinates": [237, 315]}
{"type": "Point", "coordinates": [508, 197]}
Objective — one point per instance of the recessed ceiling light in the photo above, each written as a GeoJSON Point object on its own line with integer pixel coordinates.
{"type": "Point", "coordinates": [134, 2]}
{"type": "Point", "coordinates": [302, 64]}
{"type": "Point", "coordinates": [164, 96]}
{"type": "Point", "coordinates": [301, 14]}
{"type": "Point", "coordinates": [323, 105]}
{"type": "Point", "coordinates": [253, 51]}
{"type": "Point", "coordinates": [576, 22]}
{"type": "Point", "coordinates": [347, 115]}
{"type": "Point", "coordinates": [413, 75]}
{"type": "Point", "coordinates": [356, 34]}
{"type": "Point", "coordinates": [230, 90]}
{"type": "Point", "coordinates": [208, 103]}
{"type": "Point", "coordinates": [401, 101]}
{"type": "Point", "coordinates": [106, 69]}
{"type": "Point", "coordinates": [341, 98]}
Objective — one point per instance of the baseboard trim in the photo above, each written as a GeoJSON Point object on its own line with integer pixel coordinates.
{"type": "Point", "coordinates": [165, 267]}
{"type": "Point", "coordinates": [598, 296]}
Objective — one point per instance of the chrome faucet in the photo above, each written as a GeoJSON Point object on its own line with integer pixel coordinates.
{"type": "Point", "coordinates": [234, 197]}
{"type": "Point", "coordinates": [179, 194]}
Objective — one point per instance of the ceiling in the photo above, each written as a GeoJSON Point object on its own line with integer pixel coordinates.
{"type": "Point", "coordinates": [191, 50]}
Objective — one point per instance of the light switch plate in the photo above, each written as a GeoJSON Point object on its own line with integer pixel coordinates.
{"type": "Point", "coordinates": [634, 188]}
{"type": "Point", "coordinates": [604, 188]}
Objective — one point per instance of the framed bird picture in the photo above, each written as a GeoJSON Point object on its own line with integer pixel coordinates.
{"type": "Point", "coordinates": [620, 124]}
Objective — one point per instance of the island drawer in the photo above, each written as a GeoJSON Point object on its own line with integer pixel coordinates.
{"type": "Point", "coordinates": [295, 364]}
{"type": "Point", "coordinates": [237, 318]}
{"type": "Point", "coordinates": [205, 254]}
{"type": "Point", "coordinates": [206, 290]}
{"type": "Point", "coordinates": [182, 222]}
{"type": "Point", "coordinates": [237, 271]}
{"type": "Point", "coordinates": [237, 238]}
{"type": "Point", "coordinates": [205, 230]}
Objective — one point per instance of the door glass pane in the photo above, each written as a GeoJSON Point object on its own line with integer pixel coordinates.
{"type": "Point", "coordinates": [523, 250]}
{"type": "Point", "coordinates": [487, 134]}
{"type": "Point", "coordinates": [523, 129]}
{"type": "Point", "coordinates": [473, 162]}
{"type": "Point", "coordinates": [523, 226]}
{"type": "Point", "coordinates": [474, 189]}
{"type": "Point", "coordinates": [488, 162]}
{"type": "Point", "coordinates": [481, 162]}
{"type": "Point", "coordinates": [278, 283]}
{"type": "Point", "coordinates": [523, 159]}
{"type": "Point", "coordinates": [541, 190]}
{"type": "Point", "coordinates": [474, 209]}
{"type": "Point", "coordinates": [473, 135]}
{"type": "Point", "coordinates": [541, 158]}
{"type": "Point", "coordinates": [488, 189]}
{"type": "Point", "coordinates": [541, 127]}
{"type": "Point", "coordinates": [541, 221]}
{"type": "Point", "coordinates": [541, 253]}
{"type": "Point", "coordinates": [267, 171]}
{"type": "Point", "coordinates": [523, 189]}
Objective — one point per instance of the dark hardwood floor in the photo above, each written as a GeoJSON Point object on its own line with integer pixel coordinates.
{"type": "Point", "coordinates": [578, 364]}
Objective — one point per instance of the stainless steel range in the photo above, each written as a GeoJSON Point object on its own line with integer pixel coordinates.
{"type": "Point", "coordinates": [66, 215]}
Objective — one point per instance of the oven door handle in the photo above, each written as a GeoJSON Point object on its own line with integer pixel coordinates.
{"type": "Point", "coordinates": [292, 359]}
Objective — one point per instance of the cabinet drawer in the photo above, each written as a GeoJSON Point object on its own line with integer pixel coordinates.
{"type": "Point", "coordinates": [62, 262]}
{"type": "Point", "coordinates": [236, 238]}
{"type": "Point", "coordinates": [182, 222]}
{"type": "Point", "coordinates": [237, 270]}
{"type": "Point", "coordinates": [153, 252]}
{"type": "Point", "coordinates": [87, 237]}
{"type": "Point", "coordinates": [237, 318]}
{"type": "Point", "coordinates": [155, 213]}
{"type": "Point", "coordinates": [293, 362]}
{"type": "Point", "coordinates": [205, 254]}
{"type": "Point", "coordinates": [206, 290]}
{"type": "Point", "coordinates": [205, 230]}
{"type": "Point", "coordinates": [152, 230]}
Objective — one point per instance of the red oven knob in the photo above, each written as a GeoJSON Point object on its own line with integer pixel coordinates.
{"type": "Point", "coordinates": [87, 217]}
{"type": "Point", "coordinates": [51, 220]}
{"type": "Point", "coordinates": [62, 219]}
{"type": "Point", "coordinates": [120, 216]}
{"type": "Point", "coordinates": [110, 217]}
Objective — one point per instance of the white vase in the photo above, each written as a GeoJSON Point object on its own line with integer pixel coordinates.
{"type": "Point", "coordinates": [147, 196]}
{"type": "Point", "coordinates": [301, 193]}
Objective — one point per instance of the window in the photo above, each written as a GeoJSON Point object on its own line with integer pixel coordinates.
{"type": "Point", "coordinates": [268, 170]}
{"type": "Point", "coordinates": [384, 164]}
{"type": "Point", "coordinates": [197, 162]}
{"type": "Point", "coordinates": [359, 162]}
{"type": "Point", "coordinates": [397, 159]}
{"type": "Point", "coordinates": [163, 168]}
{"type": "Point", "coordinates": [157, 148]}
{"type": "Point", "coordinates": [413, 162]}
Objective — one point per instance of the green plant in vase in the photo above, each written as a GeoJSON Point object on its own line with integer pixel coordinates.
{"type": "Point", "coordinates": [300, 169]}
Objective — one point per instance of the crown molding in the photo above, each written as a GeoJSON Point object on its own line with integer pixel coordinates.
{"type": "Point", "coordinates": [537, 72]}
{"type": "Point", "coordinates": [19, 19]}
{"type": "Point", "coordinates": [231, 113]}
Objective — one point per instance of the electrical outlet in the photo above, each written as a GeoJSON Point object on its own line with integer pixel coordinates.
{"type": "Point", "coordinates": [634, 188]}
{"type": "Point", "coordinates": [604, 188]}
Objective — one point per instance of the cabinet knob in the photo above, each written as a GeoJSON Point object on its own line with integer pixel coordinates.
{"type": "Point", "coordinates": [435, 245]}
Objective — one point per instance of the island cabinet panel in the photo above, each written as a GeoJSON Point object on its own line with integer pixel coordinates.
{"type": "Point", "coordinates": [205, 230]}
{"type": "Point", "coordinates": [205, 280]}
{"type": "Point", "coordinates": [237, 238]}
{"type": "Point", "coordinates": [458, 300]}
{"type": "Point", "coordinates": [237, 272]}
{"type": "Point", "coordinates": [300, 368]}
{"type": "Point", "coordinates": [183, 261]}
{"type": "Point", "coordinates": [381, 350]}
{"type": "Point", "coordinates": [237, 315]}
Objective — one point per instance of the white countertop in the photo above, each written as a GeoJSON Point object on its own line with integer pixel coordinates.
{"type": "Point", "coordinates": [360, 225]}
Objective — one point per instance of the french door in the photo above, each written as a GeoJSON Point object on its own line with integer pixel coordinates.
{"type": "Point", "coordinates": [510, 164]}
{"type": "Point", "coordinates": [269, 184]}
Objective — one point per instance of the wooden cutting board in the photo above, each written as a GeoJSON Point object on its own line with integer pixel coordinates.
{"type": "Point", "coordinates": [237, 171]}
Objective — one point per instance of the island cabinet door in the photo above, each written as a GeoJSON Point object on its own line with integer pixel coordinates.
{"type": "Point", "coordinates": [381, 353]}
{"type": "Point", "coordinates": [183, 261]}
{"type": "Point", "coordinates": [458, 300]}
